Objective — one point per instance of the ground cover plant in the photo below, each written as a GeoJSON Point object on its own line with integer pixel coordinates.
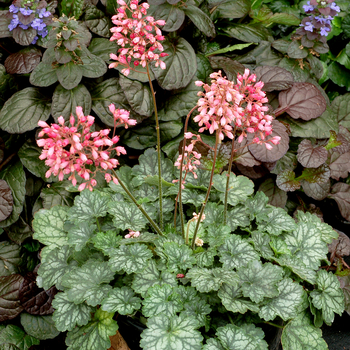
{"type": "Point", "coordinates": [200, 257]}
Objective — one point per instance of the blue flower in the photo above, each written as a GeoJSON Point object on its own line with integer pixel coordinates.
{"type": "Point", "coordinates": [308, 7]}
{"type": "Point", "coordinates": [309, 27]}
{"type": "Point", "coordinates": [324, 20]}
{"type": "Point", "coordinates": [25, 11]}
{"type": "Point", "coordinates": [38, 24]}
{"type": "Point", "coordinates": [335, 7]}
{"type": "Point", "coordinates": [43, 13]}
{"type": "Point", "coordinates": [13, 9]}
{"type": "Point", "coordinates": [14, 23]}
{"type": "Point", "coordinates": [34, 40]}
{"type": "Point", "coordinates": [23, 26]}
{"type": "Point", "coordinates": [324, 31]}
{"type": "Point", "coordinates": [43, 32]}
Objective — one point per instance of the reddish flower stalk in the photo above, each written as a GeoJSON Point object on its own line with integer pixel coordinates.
{"type": "Point", "coordinates": [138, 36]}
{"type": "Point", "coordinates": [75, 149]}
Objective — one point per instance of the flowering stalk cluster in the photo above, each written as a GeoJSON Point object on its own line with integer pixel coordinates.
{"type": "Point", "coordinates": [30, 14]}
{"type": "Point", "coordinates": [75, 149]}
{"type": "Point", "coordinates": [136, 38]}
{"type": "Point", "coordinates": [227, 107]}
{"type": "Point", "coordinates": [132, 234]}
{"type": "Point", "coordinates": [318, 24]}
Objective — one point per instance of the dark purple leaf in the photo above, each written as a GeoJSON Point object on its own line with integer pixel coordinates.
{"type": "Point", "coordinates": [19, 231]}
{"type": "Point", "coordinates": [302, 100]}
{"type": "Point", "coordinates": [255, 172]}
{"type": "Point", "coordinates": [10, 258]}
{"type": "Point", "coordinates": [277, 197]}
{"type": "Point", "coordinates": [339, 164]}
{"type": "Point", "coordinates": [242, 155]}
{"type": "Point", "coordinates": [286, 181]}
{"type": "Point", "coordinates": [6, 200]}
{"type": "Point", "coordinates": [319, 175]}
{"type": "Point", "coordinates": [23, 61]}
{"type": "Point", "coordinates": [4, 23]}
{"type": "Point", "coordinates": [343, 137]}
{"type": "Point", "coordinates": [231, 67]}
{"type": "Point", "coordinates": [260, 152]}
{"type": "Point", "coordinates": [270, 166]}
{"type": "Point", "coordinates": [341, 108]}
{"type": "Point", "coordinates": [10, 305]}
{"type": "Point", "coordinates": [287, 162]}
{"type": "Point", "coordinates": [35, 300]}
{"type": "Point", "coordinates": [310, 156]}
{"type": "Point", "coordinates": [340, 247]}
{"type": "Point", "coordinates": [340, 192]}
{"type": "Point", "coordinates": [315, 190]}
{"type": "Point", "coordinates": [24, 37]}
{"type": "Point", "coordinates": [25, 19]}
{"type": "Point", "coordinates": [274, 78]}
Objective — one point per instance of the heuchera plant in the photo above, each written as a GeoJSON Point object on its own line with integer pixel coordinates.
{"type": "Point", "coordinates": [214, 282]}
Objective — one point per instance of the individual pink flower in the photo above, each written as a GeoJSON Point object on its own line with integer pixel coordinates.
{"type": "Point", "coordinates": [73, 150]}
{"type": "Point", "coordinates": [132, 234]}
{"type": "Point", "coordinates": [138, 36]}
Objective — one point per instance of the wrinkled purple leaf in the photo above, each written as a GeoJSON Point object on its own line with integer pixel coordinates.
{"type": "Point", "coordinates": [315, 190]}
{"type": "Point", "coordinates": [345, 286]}
{"type": "Point", "coordinates": [340, 192]}
{"type": "Point", "coordinates": [319, 175]}
{"type": "Point", "coordinates": [344, 137]}
{"type": "Point", "coordinates": [24, 37]}
{"type": "Point", "coordinates": [274, 78]}
{"type": "Point", "coordinates": [286, 181]}
{"type": "Point", "coordinates": [231, 67]}
{"type": "Point", "coordinates": [10, 305]}
{"type": "Point", "coordinates": [341, 108]}
{"type": "Point", "coordinates": [6, 200]}
{"type": "Point", "coordinates": [23, 61]}
{"type": "Point", "coordinates": [310, 156]}
{"type": "Point", "coordinates": [260, 152]}
{"type": "Point", "coordinates": [255, 172]}
{"type": "Point", "coordinates": [287, 162]}
{"type": "Point", "coordinates": [302, 100]}
{"type": "Point", "coordinates": [277, 197]}
{"type": "Point", "coordinates": [341, 246]}
{"type": "Point", "coordinates": [339, 164]}
{"type": "Point", "coordinates": [36, 301]}
{"type": "Point", "coordinates": [243, 156]}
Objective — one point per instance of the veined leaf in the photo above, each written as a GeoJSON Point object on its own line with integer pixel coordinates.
{"type": "Point", "coordinates": [79, 235]}
{"type": "Point", "coordinates": [178, 256]}
{"type": "Point", "coordinates": [40, 327]}
{"type": "Point", "coordinates": [277, 221]}
{"type": "Point", "coordinates": [13, 338]}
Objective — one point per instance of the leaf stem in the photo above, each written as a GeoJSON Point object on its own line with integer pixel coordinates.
{"type": "Point", "coordinates": [209, 189]}
{"type": "Point", "coordinates": [153, 224]}
{"type": "Point", "coordinates": [158, 150]}
{"type": "Point", "coordinates": [98, 225]}
{"type": "Point", "coordinates": [273, 324]}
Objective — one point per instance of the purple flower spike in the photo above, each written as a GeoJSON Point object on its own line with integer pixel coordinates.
{"type": "Point", "coordinates": [25, 11]}
{"type": "Point", "coordinates": [308, 7]}
{"type": "Point", "coordinates": [309, 27]}
{"type": "Point", "coordinates": [324, 31]}
{"type": "Point", "coordinates": [13, 9]}
{"type": "Point", "coordinates": [335, 7]}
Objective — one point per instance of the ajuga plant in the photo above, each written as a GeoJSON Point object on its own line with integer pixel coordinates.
{"type": "Point", "coordinates": [213, 277]}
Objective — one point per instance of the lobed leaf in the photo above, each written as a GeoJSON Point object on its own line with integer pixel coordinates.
{"type": "Point", "coordinates": [276, 222]}
{"type": "Point", "coordinates": [40, 327]}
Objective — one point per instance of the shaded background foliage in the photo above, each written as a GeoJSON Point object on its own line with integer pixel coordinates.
{"type": "Point", "coordinates": [307, 86]}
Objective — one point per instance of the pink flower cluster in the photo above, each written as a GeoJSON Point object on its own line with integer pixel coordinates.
{"type": "Point", "coordinates": [135, 37]}
{"type": "Point", "coordinates": [225, 106]}
{"type": "Point", "coordinates": [132, 234]}
{"type": "Point", "coordinates": [75, 149]}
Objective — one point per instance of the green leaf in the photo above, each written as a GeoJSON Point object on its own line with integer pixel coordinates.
{"type": "Point", "coordinates": [14, 338]}
{"type": "Point", "coordinates": [305, 243]}
{"type": "Point", "coordinates": [121, 300]}
{"type": "Point", "coordinates": [102, 48]}
{"type": "Point", "coordinates": [198, 309]}
{"type": "Point", "coordinates": [29, 155]}
{"type": "Point", "coordinates": [88, 206]}
{"type": "Point", "coordinates": [105, 93]}
{"type": "Point", "coordinates": [236, 252]}
{"type": "Point", "coordinates": [43, 75]}
{"type": "Point", "coordinates": [328, 296]}
{"type": "Point", "coordinates": [230, 8]}
{"type": "Point", "coordinates": [172, 15]}
{"type": "Point", "coordinates": [77, 8]}
{"type": "Point", "coordinates": [246, 337]}
{"type": "Point", "coordinates": [286, 304]}
{"type": "Point", "coordinates": [56, 194]}
{"type": "Point", "coordinates": [240, 187]}
{"type": "Point", "coordinates": [53, 267]}
{"type": "Point", "coordinates": [181, 65]}
{"type": "Point", "coordinates": [95, 335]}
{"type": "Point", "coordinates": [286, 181]}
{"type": "Point", "coordinates": [68, 314]}
{"type": "Point", "coordinates": [64, 102]}
{"type": "Point", "coordinates": [106, 241]}
{"type": "Point", "coordinates": [23, 110]}
{"type": "Point", "coordinates": [283, 18]}
{"type": "Point", "coordinates": [88, 283]}
{"type": "Point", "coordinates": [341, 110]}
{"type": "Point", "coordinates": [69, 75]}
{"type": "Point", "coordinates": [276, 222]}
{"type": "Point", "coordinates": [229, 49]}
{"type": "Point", "coordinates": [232, 299]}
{"type": "Point", "coordinates": [300, 334]}
{"type": "Point", "coordinates": [97, 22]}
{"type": "Point", "coordinates": [339, 75]}
{"type": "Point", "coordinates": [200, 20]}
{"type": "Point", "coordinates": [48, 226]}
{"type": "Point", "coordinates": [177, 332]}
{"type": "Point", "coordinates": [206, 280]}
{"type": "Point", "coordinates": [80, 234]}
{"type": "Point", "coordinates": [130, 258]}
{"type": "Point", "coordinates": [259, 280]}
{"type": "Point", "coordinates": [138, 95]}
{"type": "Point", "coordinates": [258, 208]}
{"type": "Point", "coordinates": [161, 300]}
{"type": "Point", "coordinates": [237, 217]}
{"type": "Point", "coordinates": [10, 258]}
{"type": "Point", "coordinates": [93, 66]}
{"type": "Point", "coordinates": [151, 276]}
{"type": "Point", "coordinates": [40, 327]}
{"type": "Point", "coordinates": [179, 257]}
{"type": "Point", "coordinates": [245, 32]}
{"type": "Point", "coordinates": [15, 177]}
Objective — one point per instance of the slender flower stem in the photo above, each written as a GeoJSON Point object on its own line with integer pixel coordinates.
{"type": "Point", "coordinates": [228, 175]}
{"type": "Point", "coordinates": [98, 225]}
{"type": "Point", "coordinates": [209, 189]}
{"type": "Point", "coordinates": [158, 150]}
{"type": "Point", "coordinates": [153, 224]}
{"type": "Point", "coordinates": [180, 180]}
